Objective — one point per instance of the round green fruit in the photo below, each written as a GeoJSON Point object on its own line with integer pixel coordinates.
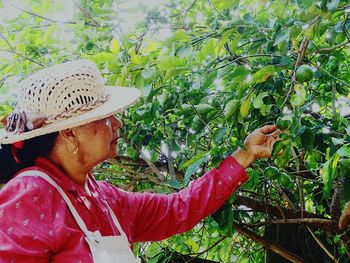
{"type": "Point", "coordinates": [283, 179]}
{"type": "Point", "coordinates": [304, 73]}
{"type": "Point", "coordinates": [340, 38]}
{"type": "Point", "coordinates": [271, 172]}
{"type": "Point", "coordinates": [333, 64]}
{"type": "Point", "coordinates": [283, 123]}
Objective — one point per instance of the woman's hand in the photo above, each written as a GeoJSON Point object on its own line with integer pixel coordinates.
{"type": "Point", "coordinates": [258, 144]}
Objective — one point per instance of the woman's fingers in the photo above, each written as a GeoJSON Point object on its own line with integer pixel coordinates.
{"type": "Point", "coordinates": [268, 129]}
{"type": "Point", "coordinates": [275, 133]}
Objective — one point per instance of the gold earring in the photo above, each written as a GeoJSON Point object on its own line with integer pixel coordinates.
{"type": "Point", "coordinates": [75, 150]}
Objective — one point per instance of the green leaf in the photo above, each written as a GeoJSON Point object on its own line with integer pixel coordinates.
{"type": "Point", "coordinates": [209, 79]}
{"type": "Point", "coordinates": [310, 32]}
{"type": "Point", "coordinates": [280, 8]}
{"type": "Point", "coordinates": [245, 106]}
{"type": "Point", "coordinates": [224, 218]}
{"type": "Point", "coordinates": [348, 130]}
{"type": "Point", "coordinates": [299, 97]}
{"type": "Point", "coordinates": [193, 246]}
{"type": "Point", "coordinates": [344, 151]}
{"type": "Point", "coordinates": [207, 50]}
{"type": "Point", "coordinates": [179, 35]}
{"type": "Point", "coordinates": [219, 134]}
{"type": "Point", "coordinates": [307, 137]}
{"type": "Point", "coordinates": [204, 109]}
{"type": "Point", "coordinates": [223, 41]}
{"type": "Point", "coordinates": [234, 43]}
{"type": "Point", "coordinates": [307, 3]}
{"type": "Point", "coordinates": [48, 34]}
{"type": "Point", "coordinates": [102, 57]}
{"type": "Point", "coordinates": [194, 159]}
{"type": "Point", "coordinates": [263, 74]}
{"type": "Point", "coordinates": [277, 148]}
{"type": "Point", "coordinates": [223, 4]}
{"type": "Point", "coordinates": [240, 73]}
{"type": "Point", "coordinates": [5, 110]}
{"type": "Point", "coordinates": [152, 250]}
{"type": "Point", "coordinates": [169, 62]}
{"type": "Point", "coordinates": [258, 100]}
{"type": "Point", "coordinates": [197, 124]}
{"type": "Point", "coordinates": [149, 73]}
{"type": "Point", "coordinates": [185, 51]}
{"type": "Point", "coordinates": [139, 81]}
{"type": "Point", "coordinates": [114, 46]}
{"type": "Point", "coordinates": [172, 72]}
{"type": "Point", "coordinates": [193, 165]}
{"type": "Point", "coordinates": [231, 108]}
{"type": "Point", "coordinates": [328, 172]}
{"type": "Point", "coordinates": [132, 153]}
{"type": "Point", "coordinates": [283, 37]}
{"type": "Point", "coordinates": [135, 58]}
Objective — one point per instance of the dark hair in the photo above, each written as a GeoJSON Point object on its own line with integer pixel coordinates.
{"type": "Point", "coordinates": [33, 148]}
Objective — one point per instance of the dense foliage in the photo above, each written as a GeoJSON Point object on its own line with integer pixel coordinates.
{"type": "Point", "coordinates": [225, 68]}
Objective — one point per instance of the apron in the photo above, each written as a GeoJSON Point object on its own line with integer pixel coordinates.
{"type": "Point", "coordinates": [104, 249]}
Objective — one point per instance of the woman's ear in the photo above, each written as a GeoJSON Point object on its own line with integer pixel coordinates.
{"type": "Point", "coordinates": [69, 136]}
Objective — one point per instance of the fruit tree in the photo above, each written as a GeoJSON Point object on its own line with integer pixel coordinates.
{"type": "Point", "coordinates": [212, 71]}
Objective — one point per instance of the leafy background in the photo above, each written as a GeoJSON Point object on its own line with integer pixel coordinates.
{"type": "Point", "coordinates": [212, 71]}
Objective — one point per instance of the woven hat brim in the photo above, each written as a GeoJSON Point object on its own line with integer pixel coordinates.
{"type": "Point", "coordinates": [120, 99]}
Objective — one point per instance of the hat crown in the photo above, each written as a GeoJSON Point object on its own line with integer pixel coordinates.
{"type": "Point", "coordinates": [59, 88]}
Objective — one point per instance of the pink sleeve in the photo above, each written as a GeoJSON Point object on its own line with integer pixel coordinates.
{"type": "Point", "coordinates": [26, 231]}
{"type": "Point", "coordinates": [151, 217]}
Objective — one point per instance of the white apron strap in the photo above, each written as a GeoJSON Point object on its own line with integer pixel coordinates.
{"type": "Point", "coordinates": [116, 222]}
{"type": "Point", "coordinates": [74, 212]}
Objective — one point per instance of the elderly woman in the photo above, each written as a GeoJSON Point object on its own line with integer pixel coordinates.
{"type": "Point", "coordinates": [52, 209]}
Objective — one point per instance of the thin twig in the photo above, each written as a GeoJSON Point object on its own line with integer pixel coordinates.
{"type": "Point", "coordinates": [322, 246]}
{"type": "Point", "coordinates": [154, 168]}
{"type": "Point", "coordinates": [37, 15]}
{"type": "Point", "coordinates": [88, 14]}
{"type": "Point", "coordinates": [7, 42]}
{"type": "Point", "coordinates": [204, 251]}
{"type": "Point", "coordinates": [189, 8]}
{"type": "Point", "coordinates": [18, 54]}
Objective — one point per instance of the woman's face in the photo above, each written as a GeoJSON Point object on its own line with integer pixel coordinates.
{"type": "Point", "coordinates": [98, 140]}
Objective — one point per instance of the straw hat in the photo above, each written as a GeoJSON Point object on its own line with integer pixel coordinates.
{"type": "Point", "coordinates": [64, 96]}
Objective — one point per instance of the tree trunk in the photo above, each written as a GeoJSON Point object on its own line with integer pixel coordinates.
{"type": "Point", "coordinates": [298, 240]}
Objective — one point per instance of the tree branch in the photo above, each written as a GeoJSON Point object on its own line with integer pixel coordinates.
{"type": "Point", "coordinates": [306, 221]}
{"type": "Point", "coordinates": [330, 49]}
{"type": "Point", "coordinates": [279, 212]}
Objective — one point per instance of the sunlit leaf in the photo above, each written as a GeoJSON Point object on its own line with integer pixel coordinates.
{"type": "Point", "coordinates": [222, 4]}
{"type": "Point", "coordinates": [114, 46]}
{"type": "Point", "coordinates": [263, 74]}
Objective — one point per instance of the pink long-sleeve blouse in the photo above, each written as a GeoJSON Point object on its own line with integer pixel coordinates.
{"type": "Point", "coordinates": [37, 226]}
